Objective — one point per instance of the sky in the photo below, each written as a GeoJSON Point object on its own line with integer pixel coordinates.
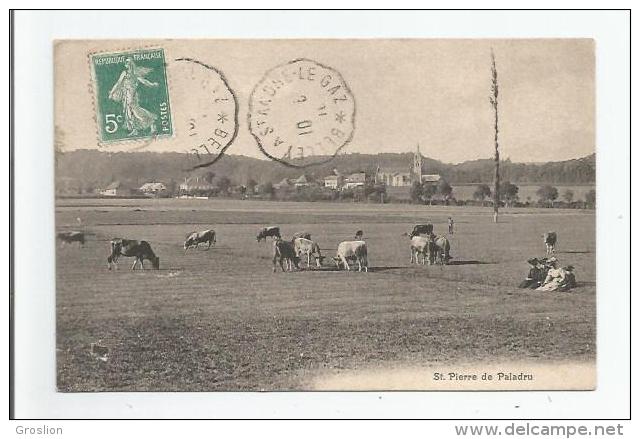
{"type": "Point", "coordinates": [432, 92]}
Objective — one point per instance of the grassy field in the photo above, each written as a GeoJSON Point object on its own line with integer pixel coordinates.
{"type": "Point", "coordinates": [221, 320]}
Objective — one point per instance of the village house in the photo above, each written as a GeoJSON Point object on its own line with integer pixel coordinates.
{"type": "Point", "coordinates": [396, 179]}
{"type": "Point", "coordinates": [357, 179]}
{"type": "Point", "coordinates": [116, 189]}
{"type": "Point", "coordinates": [153, 189]}
{"type": "Point", "coordinates": [400, 178]}
{"type": "Point", "coordinates": [334, 181]}
{"type": "Point", "coordinates": [196, 186]}
{"type": "Point", "coordinates": [302, 181]}
{"type": "Point", "coordinates": [431, 178]}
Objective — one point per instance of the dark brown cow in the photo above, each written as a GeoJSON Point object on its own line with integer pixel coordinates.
{"type": "Point", "coordinates": [421, 229]}
{"type": "Point", "coordinates": [272, 231]}
{"type": "Point", "coordinates": [285, 252]}
{"type": "Point", "coordinates": [140, 250]}
{"type": "Point", "coordinates": [71, 237]}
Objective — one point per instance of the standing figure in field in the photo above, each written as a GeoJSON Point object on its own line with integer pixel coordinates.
{"type": "Point", "coordinates": [194, 239]}
{"type": "Point", "coordinates": [550, 241]}
{"type": "Point", "coordinates": [285, 253]}
{"type": "Point", "coordinates": [140, 250]}
{"type": "Point", "coordinates": [450, 223]}
{"type": "Point", "coordinates": [125, 90]}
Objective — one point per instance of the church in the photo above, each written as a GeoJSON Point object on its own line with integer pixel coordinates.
{"type": "Point", "coordinates": [415, 173]}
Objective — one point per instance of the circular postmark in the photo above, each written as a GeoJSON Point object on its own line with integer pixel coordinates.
{"type": "Point", "coordinates": [301, 113]}
{"type": "Point", "coordinates": [205, 111]}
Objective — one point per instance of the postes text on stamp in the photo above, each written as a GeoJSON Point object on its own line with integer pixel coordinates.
{"type": "Point", "coordinates": [301, 113]}
{"type": "Point", "coordinates": [132, 98]}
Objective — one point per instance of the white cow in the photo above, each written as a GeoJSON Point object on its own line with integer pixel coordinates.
{"type": "Point", "coordinates": [352, 250]}
{"type": "Point", "coordinates": [309, 248]}
{"type": "Point", "coordinates": [419, 245]}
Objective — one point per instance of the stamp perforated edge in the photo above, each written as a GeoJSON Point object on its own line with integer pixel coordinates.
{"type": "Point", "coordinates": [139, 143]}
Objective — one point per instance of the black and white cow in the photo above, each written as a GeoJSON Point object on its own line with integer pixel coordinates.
{"type": "Point", "coordinates": [196, 238]}
{"type": "Point", "coordinates": [140, 250]}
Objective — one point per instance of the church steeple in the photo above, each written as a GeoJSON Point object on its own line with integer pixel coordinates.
{"type": "Point", "coordinates": [417, 165]}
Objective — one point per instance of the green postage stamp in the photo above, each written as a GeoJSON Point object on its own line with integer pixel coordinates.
{"type": "Point", "coordinates": [132, 97]}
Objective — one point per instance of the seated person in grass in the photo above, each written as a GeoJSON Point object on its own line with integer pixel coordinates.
{"type": "Point", "coordinates": [536, 276]}
{"type": "Point", "coordinates": [556, 277]}
{"type": "Point", "coordinates": [569, 279]}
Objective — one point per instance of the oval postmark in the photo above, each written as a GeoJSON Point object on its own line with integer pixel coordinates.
{"type": "Point", "coordinates": [302, 113]}
{"type": "Point", "coordinates": [206, 112]}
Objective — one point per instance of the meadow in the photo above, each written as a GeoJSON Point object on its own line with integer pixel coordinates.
{"type": "Point", "coordinates": [222, 320]}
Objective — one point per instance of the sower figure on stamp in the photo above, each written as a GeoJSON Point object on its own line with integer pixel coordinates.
{"type": "Point", "coordinates": [125, 90]}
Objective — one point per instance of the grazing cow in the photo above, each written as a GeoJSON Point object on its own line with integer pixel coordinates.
{"type": "Point", "coordinates": [140, 250]}
{"type": "Point", "coordinates": [305, 235]}
{"type": "Point", "coordinates": [419, 246]}
{"type": "Point", "coordinates": [273, 232]}
{"type": "Point", "coordinates": [307, 247]}
{"type": "Point", "coordinates": [550, 240]}
{"type": "Point", "coordinates": [284, 252]}
{"type": "Point", "coordinates": [421, 229]}
{"type": "Point", "coordinates": [350, 250]}
{"type": "Point", "coordinates": [196, 238]}
{"type": "Point", "coordinates": [71, 237]}
{"type": "Point", "coordinates": [439, 250]}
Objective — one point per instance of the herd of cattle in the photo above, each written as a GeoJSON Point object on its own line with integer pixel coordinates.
{"type": "Point", "coordinates": [289, 253]}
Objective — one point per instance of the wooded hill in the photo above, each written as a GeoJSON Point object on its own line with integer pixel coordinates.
{"type": "Point", "coordinates": [90, 169]}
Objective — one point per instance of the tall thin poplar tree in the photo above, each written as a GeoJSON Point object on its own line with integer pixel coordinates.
{"type": "Point", "coordinates": [493, 99]}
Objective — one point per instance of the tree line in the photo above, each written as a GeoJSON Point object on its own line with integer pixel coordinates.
{"type": "Point", "coordinates": [91, 169]}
